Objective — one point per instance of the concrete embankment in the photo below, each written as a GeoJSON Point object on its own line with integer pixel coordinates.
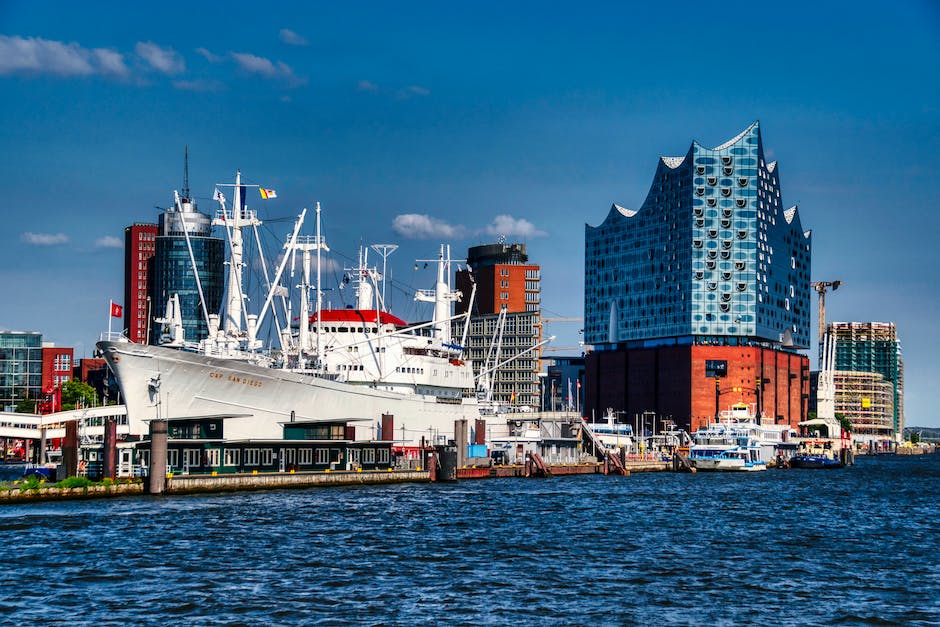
{"type": "Point", "coordinates": [186, 484]}
{"type": "Point", "coordinates": [63, 494]}
{"type": "Point", "coordinates": [191, 484]}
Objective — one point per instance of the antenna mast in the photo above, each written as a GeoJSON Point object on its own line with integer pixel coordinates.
{"type": "Point", "coordinates": [186, 172]}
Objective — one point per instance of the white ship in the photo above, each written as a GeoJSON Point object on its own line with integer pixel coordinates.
{"type": "Point", "coordinates": [339, 368]}
{"type": "Point", "coordinates": [739, 429]}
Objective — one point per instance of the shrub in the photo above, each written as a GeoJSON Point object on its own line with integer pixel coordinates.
{"type": "Point", "coordinates": [32, 482]}
{"type": "Point", "coordinates": [75, 482]}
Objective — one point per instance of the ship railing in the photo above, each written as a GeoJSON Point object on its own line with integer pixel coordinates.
{"type": "Point", "coordinates": [113, 336]}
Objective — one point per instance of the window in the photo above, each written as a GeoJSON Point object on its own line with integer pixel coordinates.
{"type": "Point", "coordinates": [172, 458]}
{"type": "Point", "coordinates": [382, 456]}
{"type": "Point", "coordinates": [191, 457]}
{"type": "Point", "coordinates": [712, 180]}
{"type": "Point", "coordinates": [232, 457]}
{"type": "Point", "coordinates": [304, 456]}
{"type": "Point", "coordinates": [368, 456]}
{"type": "Point", "coordinates": [726, 191]}
{"type": "Point", "coordinates": [711, 202]}
{"type": "Point", "coordinates": [323, 456]}
{"type": "Point", "coordinates": [267, 457]}
{"type": "Point", "coordinates": [699, 191]}
{"type": "Point", "coordinates": [251, 457]}
{"type": "Point", "coordinates": [742, 182]}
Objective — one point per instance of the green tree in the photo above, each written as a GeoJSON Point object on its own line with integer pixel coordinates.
{"type": "Point", "coordinates": [26, 406]}
{"type": "Point", "coordinates": [844, 421]}
{"type": "Point", "coordinates": [78, 394]}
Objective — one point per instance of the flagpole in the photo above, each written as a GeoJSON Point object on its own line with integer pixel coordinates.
{"type": "Point", "coordinates": [110, 311]}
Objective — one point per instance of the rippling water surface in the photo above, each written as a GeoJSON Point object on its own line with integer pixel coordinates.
{"type": "Point", "coordinates": [859, 545]}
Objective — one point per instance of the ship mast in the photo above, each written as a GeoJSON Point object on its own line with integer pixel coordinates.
{"type": "Point", "coordinates": [442, 296]}
{"type": "Point", "coordinates": [306, 244]}
{"type": "Point", "coordinates": [240, 217]}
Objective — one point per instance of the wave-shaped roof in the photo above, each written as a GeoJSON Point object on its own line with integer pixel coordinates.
{"type": "Point", "coordinates": [673, 162]}
{"type": "Point", "coordinates": [739, 136]}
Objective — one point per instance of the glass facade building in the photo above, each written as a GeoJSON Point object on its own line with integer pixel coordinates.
{"type": "Point", "coordinates": [20, 367]}
{"type": "Point", "coordinates": [872, 347]}
{"type": "Point", "coordinates": [173, 268]}
{"type": "Point", "coordinates": [712, 256]}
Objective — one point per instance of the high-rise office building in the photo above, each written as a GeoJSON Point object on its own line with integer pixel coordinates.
{"type": "Point", "coordinates": [185, 241]}
{"type": "Point", "coordinates": [140, 244]}
{"type": "Point", "coordinates": [20, 367]}
{"type": "Point", "coordinates": [864, 349]}
{"type": "Point", "coordinates": [505, 281]}
{"type": "Point", "coordinates": [700, 298]}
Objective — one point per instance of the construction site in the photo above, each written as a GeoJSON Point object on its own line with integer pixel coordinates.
{"type": "Point", "coordinates": [869, 376]}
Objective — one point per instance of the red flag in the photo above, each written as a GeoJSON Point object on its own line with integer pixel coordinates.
{"type": "Point", "coordinates": [116, 310]}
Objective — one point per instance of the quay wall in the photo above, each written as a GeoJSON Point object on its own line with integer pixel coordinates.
{"type": "Point", "coordinates": [185, 484]}
{"type": "Point", "coordinates": [63, 494]}
{"type": "Point", "coordinates": [190, 484]}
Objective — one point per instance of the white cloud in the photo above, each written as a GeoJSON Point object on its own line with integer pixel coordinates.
{"type": "Point", "coordinates": [418, 90]}
{"type": "Point", "coordinates": [509, 226]}
{"type": "Point", "coordinates": [413, 90]}
{"type": "Point", "coordinates": [211, 58]}
{"type": "Point", "coordinates": [165, 60]}
{"type": "Point", "coordinates": [33, 55]}
{"type": "Point", "coordinates": [423, 226]}
{"type": "Point", "coordinates": [291, 38]}
{"type": "Point", "coordinates": [265, 67]}
{"type": "Point", "coordinates": [365, 85]}
{"type": "Point", "coordinates": [44, 239]}
{"type": "Point", "coordinates": [110, 62]}
{"type": "Point", "coordinates": [109, 241]}
{"type": "Point", "coordinates": [199, 85]}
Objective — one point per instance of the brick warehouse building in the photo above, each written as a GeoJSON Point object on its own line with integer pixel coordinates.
{"type": "Point", "coordinates": [701, 298]}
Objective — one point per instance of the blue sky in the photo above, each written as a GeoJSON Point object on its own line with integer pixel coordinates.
{"type": "Point", "coordinates": [462, 122]}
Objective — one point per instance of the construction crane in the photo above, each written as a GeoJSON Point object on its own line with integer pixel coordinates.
{"type": "Point", "coordinates": [821, 287]}
{"type": "Point", "coordinates": [562, 349]}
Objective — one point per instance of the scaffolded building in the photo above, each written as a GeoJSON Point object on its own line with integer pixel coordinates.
{"type": "Point", "coordinates": [867, 400]}
{"type": "Point", "coordinates": [870, 376]}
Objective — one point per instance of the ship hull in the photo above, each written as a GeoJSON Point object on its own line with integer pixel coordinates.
{"type": "Point", "coordinates": [166, 383]}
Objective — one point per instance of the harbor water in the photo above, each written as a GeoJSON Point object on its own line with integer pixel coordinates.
{"type": "Point", "coordinates": [851, 546]}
